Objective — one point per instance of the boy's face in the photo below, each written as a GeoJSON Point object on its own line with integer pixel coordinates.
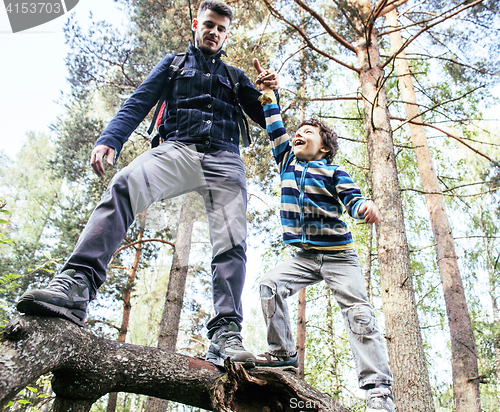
{"type": "Point", "coordinates": [307, 144]}
{"type": "Point", "coordinates": [210, 30]}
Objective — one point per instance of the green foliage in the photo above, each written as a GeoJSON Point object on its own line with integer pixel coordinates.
{"type": "Point", "coordinates": [7, 280]}
{"type": "Point", "coordinates": [33, 398]}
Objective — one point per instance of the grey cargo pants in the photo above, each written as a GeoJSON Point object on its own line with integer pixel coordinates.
{"type": "Point", "coordinates": [167, 171]}
{"type": "Point", "coordinates": [342, 273]}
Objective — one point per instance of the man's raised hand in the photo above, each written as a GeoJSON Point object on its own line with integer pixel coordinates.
{"type": "Point", "coordinates": [267, 79]}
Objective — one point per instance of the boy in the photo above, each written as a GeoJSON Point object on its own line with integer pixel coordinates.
{"type": "Point", "coordinates": [311, 191]}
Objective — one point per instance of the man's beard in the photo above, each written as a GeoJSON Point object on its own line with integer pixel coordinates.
{"type": "Point", "coordinates": [206, 49]}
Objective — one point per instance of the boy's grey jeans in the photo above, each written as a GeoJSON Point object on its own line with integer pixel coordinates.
{"type": "Point", "coordinates": [342, 273]}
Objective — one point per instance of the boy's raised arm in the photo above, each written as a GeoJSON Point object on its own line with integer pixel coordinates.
{"type": "Point", "coordinates": [279, 138]}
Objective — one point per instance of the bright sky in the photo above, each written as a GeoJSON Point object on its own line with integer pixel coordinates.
{"type": "Point", "coordinates": [33, 72]}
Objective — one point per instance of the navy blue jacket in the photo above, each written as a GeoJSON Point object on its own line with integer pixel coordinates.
{"type": "Point", "coordinates": [201, 107]}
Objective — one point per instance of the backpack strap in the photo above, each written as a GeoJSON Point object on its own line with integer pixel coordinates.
{"type": "Point", "coordinates": [174, 68]}
{"type": "Point", "coordinates": [242, 120]}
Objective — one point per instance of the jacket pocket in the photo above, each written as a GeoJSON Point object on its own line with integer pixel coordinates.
{"type": "Point", "coordinates": [224, 90]}
{"type": "Point", "coordinates": [185, 83]}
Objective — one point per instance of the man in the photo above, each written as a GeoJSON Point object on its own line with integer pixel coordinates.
{"type": "Point", "coordinates": [200, 154]}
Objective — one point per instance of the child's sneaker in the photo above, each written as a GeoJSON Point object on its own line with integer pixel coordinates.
{"type": "Point", "coordinates": [66, 296]}
{"type": "Point", "coordinates": [380, 399]}
{"type": "Point", "coordinates": [270, 360]}
{"type": "Point", "coordinates": [226, 342]}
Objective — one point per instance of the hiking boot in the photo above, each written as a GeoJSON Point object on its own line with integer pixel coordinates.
{"type": "Point", "coordinates": [226, 342]}
{"type": "Point", "coordinates": [268, 359]}
{"type": "Point", "coordinates": [380, 399]}
{"type": "Point", "coordinates": [66, 296]}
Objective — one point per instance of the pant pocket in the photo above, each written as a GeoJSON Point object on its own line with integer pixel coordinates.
{"type": "Point", "coordinates": [361, 320]}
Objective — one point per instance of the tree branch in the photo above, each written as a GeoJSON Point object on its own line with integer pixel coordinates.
{"type": "Point", "coordinates": [306, 39]}
{"type": "Point", "coordinates": [408, 189]}
{"type": "Point", "coordinates": [449, 135]}
{"type": "Point", "coordinates": [86, 367]}
{"type": "Point", "coordinates": [142, 241]}
{"type": "Point", "coordinates": [327, 28]}
{"type": "Point", "coordinates": [437, 105]}
{"type": "Point", "coordinates": [389, 7]}
{"type": "Point", "coordinates": [424, 29]}
{"type": "Point", "coordinates": [452, 61]}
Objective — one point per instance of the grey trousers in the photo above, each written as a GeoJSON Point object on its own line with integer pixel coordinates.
{"type": "Point", "coordinates": [167, 171]}
{"type": "Point", "coordinates": [342, 273]}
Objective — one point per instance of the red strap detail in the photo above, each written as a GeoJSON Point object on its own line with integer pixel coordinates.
{"type": "Point", "coordinates": [160, 114]}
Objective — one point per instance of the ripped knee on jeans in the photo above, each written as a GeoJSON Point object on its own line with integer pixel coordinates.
{"type": "Point", "coordinates": [361, 319]}
{"type": "Point", "coordinates": [268, 300]}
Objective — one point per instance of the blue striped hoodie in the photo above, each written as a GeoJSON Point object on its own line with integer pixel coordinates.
{"type": "Point", "coordinates": [312, 193]}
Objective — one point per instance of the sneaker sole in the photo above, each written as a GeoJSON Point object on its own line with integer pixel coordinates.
{"type": "Point", "coordinates": [278, 364]}
{"type": "Point", "coordinates": [29, 306]}
{"type": "Point", "coordinates": [219, 361]}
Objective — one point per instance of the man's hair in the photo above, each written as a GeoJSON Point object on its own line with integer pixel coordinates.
{"type": "Point", "coordinates": [328, 136]}
{"type": "Point", "coordinates": [218, 6]}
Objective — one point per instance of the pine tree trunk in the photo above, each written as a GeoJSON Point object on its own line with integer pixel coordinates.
{"type": "Point", "coordinates": [463, 345]}
{"type": "Point", "coordinates": [334, 368]}
{"type": "Point", "coordinates": [169, 325]}
{"type": "Point", "coordinates": [404, 341]}
{"type": "Point", "coordinates": [491, 268]}
{"type": "Point", "coordinates": [127, 293]}
{"type": "Point", "coordinates": [301, 331]}
{"type": "Point", "coordinates": [367, 267]}
{"type": "Point", "coordinates": [301, 313]}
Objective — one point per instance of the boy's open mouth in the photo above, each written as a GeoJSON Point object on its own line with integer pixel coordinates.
{"type": "Point", "coordinates": [298, 142]}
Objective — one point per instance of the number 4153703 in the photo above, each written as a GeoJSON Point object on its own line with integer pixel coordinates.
{"type": "Point", "coordinates": [34, 8]}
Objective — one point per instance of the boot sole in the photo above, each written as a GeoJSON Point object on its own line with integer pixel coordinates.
{"type": "Point", "coordinates": [29, 306]}
{"type": "Point", "coordinates": [219, 361]}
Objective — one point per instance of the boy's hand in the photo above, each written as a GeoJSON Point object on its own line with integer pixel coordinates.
{"type": "Point", "coordinates": [267, 79]}
{"type": "Point", "coordinates": [370, 211]}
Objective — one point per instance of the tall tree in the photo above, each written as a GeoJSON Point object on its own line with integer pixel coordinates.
{"type": "Point", "coordinates": [463, 345]}
{"type": "Point", "coordinates": [169, 325]}
{"type": "Point", "coordinates": [126, 297]}
{"type": "Point", "coordinates": [301, 315]}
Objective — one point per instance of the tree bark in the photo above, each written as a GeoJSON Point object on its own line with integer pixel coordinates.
{"type": "Point", "coordinates": [491, 269]}
{"type": "Point", "coordinates": [301, 331]}
{"type": "Point", "coordinates": [404, 341]}
{"type": "Point", "coordinates": [334, 364]}
{"type": "Point", "coordinates": [127, 294]}
{"type": "Point", "coordinates": [86, 367]}
{"type": "Point", "coordinates": [301, 296]}
{"type": "Point", "coordinates": [367, 267]}
{"type": "Point", "coordinates": [463, 345]}
{"type": "Point", "coordinates": [169, 325]}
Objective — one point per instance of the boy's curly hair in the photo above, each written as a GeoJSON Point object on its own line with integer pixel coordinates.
{"type": "Point", "coordinates": [329, 137]}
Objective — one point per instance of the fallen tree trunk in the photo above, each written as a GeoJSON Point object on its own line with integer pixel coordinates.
{"type": "Point", "coordinates": [87, 367]}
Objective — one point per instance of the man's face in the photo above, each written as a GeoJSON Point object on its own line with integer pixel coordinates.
{"type": "Point", "coordinates": [211, 30]}
{"type": "Point", "coordinates": [307, 143]}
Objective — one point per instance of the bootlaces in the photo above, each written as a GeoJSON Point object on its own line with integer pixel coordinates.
{"type": "Point", "coordinates": [379, 392]}
{"type": "Point", "coordinates": [233, 340]}
{"type": "Point", "coordinates": [61, 283]}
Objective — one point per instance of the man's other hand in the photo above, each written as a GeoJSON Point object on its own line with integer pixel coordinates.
{"type": "Point", "coordinates": [98, 154]}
